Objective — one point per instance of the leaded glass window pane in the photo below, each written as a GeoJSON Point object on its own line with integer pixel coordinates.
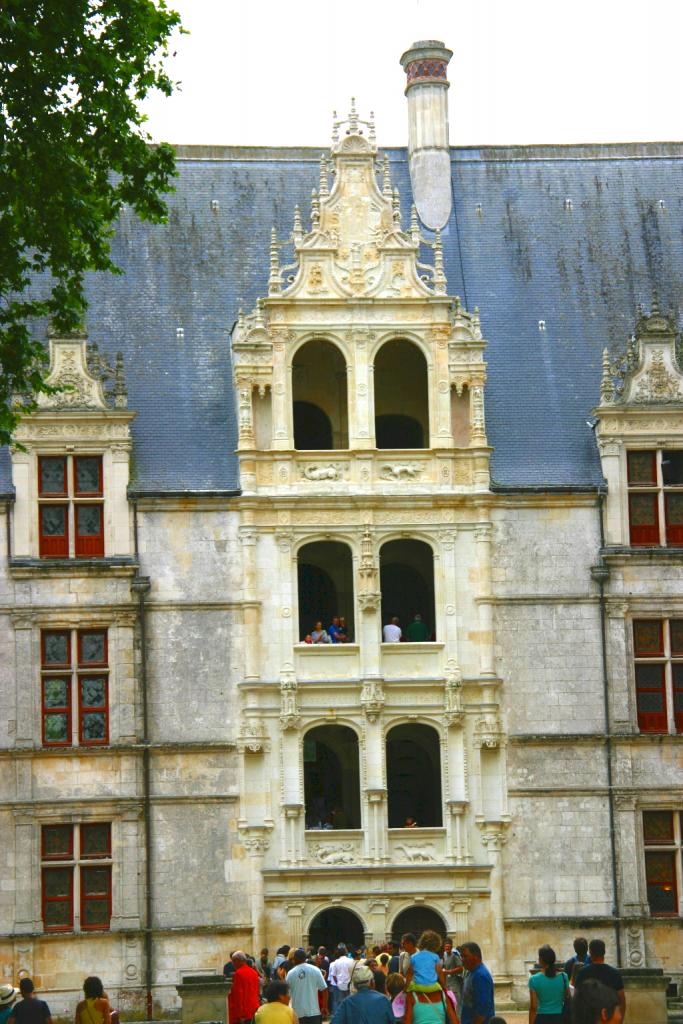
{"type": "Point", "coordinates": [661, 882]}
{"type": "Point", "coordinates": [52, 475]}
{"type": "Point", "coordinates": [87, 475]}
{"type": "Point", "coordinates": [93, 692]}
{"type": "Point", "coordinates": [95, 912]}
{"type": "Point", "coordinates": [94, 726]}
{"type": "Point", "coordinates": [53, 520]}
{"type": "Point", "coordinates": [92, 648]}
{"type": "Point", "coordinates": [658, 827]}
{"type": "Point", "coordinates": [647, 638]}
{"type": "Point", "coordinates": [56, 726]}
{"type": "Point", "coordinates": [58, 914]}
{"type": "Point", "coordinates": [95, 840]}
{"type": "Point", "coordinates": [650, 677]}
{"type": "Point", "coordinates": [57, 841]}
{"type": "Point", "coordinates": [88, 520]}
{"type": "Point", "coordinates": [676, 627]}
{"type": "Point", "coordinates": [642, 467]}
{"type": "Point", "coordinates": [55, 648]}
{"type": "Point", "coordinates": [650, 700]}
{"type": "Point", "coordinates": [643, 509]}
{"type": "Point", "coordinates": [95, 881]}
{"type": "Point", "coordinates": [55, 693]}
{"type": "Point", "coordinates": [58, 881]}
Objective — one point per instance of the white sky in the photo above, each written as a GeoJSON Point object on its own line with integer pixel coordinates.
{"type": "Point", "coordinates": [270, 72]}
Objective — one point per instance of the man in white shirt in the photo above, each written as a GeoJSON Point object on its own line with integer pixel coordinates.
{"type": "Point", "coordinates": [338, 977]}
{"type": "Point", "coordinates": [392, 632]}
{"type": "Point", "coordinates": [305, 981]}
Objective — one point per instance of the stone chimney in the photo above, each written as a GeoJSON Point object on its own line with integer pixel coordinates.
{"type": "Point", "coordinates": [425, 65]}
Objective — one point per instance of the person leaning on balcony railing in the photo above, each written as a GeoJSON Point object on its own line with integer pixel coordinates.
{"type": "Point", "coordinates": [392, 632]}
{"type": "Point", "coordinates": [320, 635]}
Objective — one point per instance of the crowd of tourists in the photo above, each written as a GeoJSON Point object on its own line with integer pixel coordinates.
{"type": "Point", "coordinates": [420, 981]}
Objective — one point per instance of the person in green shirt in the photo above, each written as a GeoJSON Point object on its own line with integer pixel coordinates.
{"type": "Point", "coordinates": [417, 631]}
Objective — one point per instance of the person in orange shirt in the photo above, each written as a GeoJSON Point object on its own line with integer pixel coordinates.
{"type": "Point", "coordinates": [95, 1008]}
{"type": "Point", "coordinates": [243, 1000]}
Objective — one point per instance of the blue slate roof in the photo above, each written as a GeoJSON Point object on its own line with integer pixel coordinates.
{"type": "Point", "coordinates": [514, 247]}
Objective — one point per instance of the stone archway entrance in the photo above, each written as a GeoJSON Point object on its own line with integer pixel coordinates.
{"type": "Point", "coordinates": [330, 927]}
{"type": "Point", "coordinates": [417, 920]}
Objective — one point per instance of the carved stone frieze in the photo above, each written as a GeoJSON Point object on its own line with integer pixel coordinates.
{"type": "Point", "coordinates": [401, 471]}
{"type": "Point", "coordinates": [319, 472]}
{"type": "Point", "coordinates": [416, 853]}
{"type": "Point", "coordinates": [372, 698]}
{"type": "Point", "coordinates": [334, 853]}
{"type": "Point", "coordinates": [647, 372]}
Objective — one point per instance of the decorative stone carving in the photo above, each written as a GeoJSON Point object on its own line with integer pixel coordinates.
{"type": "Point", "coordinates": [339, 853]}
{"type": "Point", "coordinates": [372, 698]}
{"type": "Point", "coordinates": [253, 736]}
{"type": "Point", "coordinates": [328, 472]}
{"type": "Point", "coordinates": [424, 853]}
{"type": "Point", "coordinates": [488, 731]}
{"type": "Point", "coordinates": [635, 946]}
{"type": "Point", "coordinates": [647, 372]}
{"type": "Point", "coordinates": [289, 709]}
{"type": "Point", "coordinates": [453, 709]}
{"type": "Point", "coordinates": [80, 373]}
{"type": "Point", "coordinates": [401, 471]}
{"type": "Point", "coordinates": [369, 596]}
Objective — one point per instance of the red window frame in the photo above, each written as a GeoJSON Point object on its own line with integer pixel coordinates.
{"type": "Point", "coordinates": [644, 534]}
{"type": "Point", "coordinates": [65, 709]}
{"type": "Point", "coordinates": [52, 665]}
{"type": "Point", "coordinates": [51, 546]}
{"type": "Point", "coordinates": [92, 664]}
{"type": "Point", "coordinates": [89, 494]}
{"type": "Point", "coordinates": [68, 853]}
{"type": "Point", "coordinates": [92, 897]}
{"type": "Point", "coordinates": [69, 899]}
{"type": "Point", "coordinates": [99, 825]}
{"type": "Point", "coordinates": [52, 494]}
{"type": "Point", "coordinates": [670, 855]}
{"type": "Point", "coordinates": [84, 710]}
{"type": "Point", "coordinates": [89, 545]}
{"type": "Point", "coordinates": [674, 531]}
{"type": "Point", "coordinates": [653, 721]}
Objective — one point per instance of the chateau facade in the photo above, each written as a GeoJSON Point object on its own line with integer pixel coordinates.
{"type": "Point", "coordinates": [183, 773]}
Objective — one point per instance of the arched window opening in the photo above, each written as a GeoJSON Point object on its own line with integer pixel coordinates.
{"type": "Point", "coordinates": [414, 776]}
{"type": "Point", "coordinates": [330, 927]}
{"type": "Point", "coordinates": [325, 571]}
{"type": "Point", "coordinates": [407, 585]}
{"type": "Point", "coordinates": [331, 777]}
{"type": "Point", "coordinates": [417, 920]}
{"type": "Point", "coordinates": [319, 397]}
{"type": "Point", "coordinates": [401, 397]}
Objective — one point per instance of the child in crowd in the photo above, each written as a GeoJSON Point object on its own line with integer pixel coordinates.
{"type": "Point", "coordinates": [425, 973]}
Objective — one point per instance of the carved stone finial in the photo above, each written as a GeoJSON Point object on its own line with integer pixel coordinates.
{"type": "Point", "coordinates": [386, 178]}
{"type": "Point", "coordinates": [396, 209]}
{"type": "Point", "coordinates": [258, 314]}
{"type": "Point", "coordinates": [298, 229]}
{"type": "Point", "coordinates": [353, 128]}
{"type": "Point", "coordinates": [323, 190]}
{"type": "Point", "coordinates": [120, 390]}
{"type": "Point", "coordinates": [315, 210]}
{"type": "Point", "coordinates": [335, 128]}
{"type": "Point", "coordinates": [606, 384]}
{"type": "Point", "coordinates": [414, 226]}
{"type": "Point", "coordinates": [371, 127]}
{"type": "Point", "coordinates": [439, 274]}
{"type": "Point", "coordinates": [654, 306]}
{"type": "Point", "coordinates": [274, 280]}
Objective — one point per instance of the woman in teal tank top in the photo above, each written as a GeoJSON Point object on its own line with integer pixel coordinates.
{"type": "Point", "coordinates": [429, 1008]}
{"type": "Point", "coordinates": [548, 990]}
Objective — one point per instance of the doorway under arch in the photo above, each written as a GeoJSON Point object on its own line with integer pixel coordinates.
{"type": "Point", "coordinates": [325, 578]}
{"type": "Point", "coordinates": [406, 570]}
{"type": "Point", "coordinates": [401, 396]}
{"type": "Point", "coordinates": [417, 920]}
{"type": "Point", "coordinates": [414, 775]}
{"type": "Point", "coordinates": [331, 777]}
{"type": "Point", "coordinates": [335, 925]}
{"type": "Point", "coordinates": [320, 409]}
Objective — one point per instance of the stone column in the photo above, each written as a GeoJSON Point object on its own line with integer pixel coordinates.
{"type": "Point", "coordinates": [251, 609]}
{"type": "Point", "coordinates": [459, 839]}
{"type": "Point", "coordinates": [125, 703]}
{"type": "Point", "coordinates": [27, 697]}
{"type": "Point", "coordinates": [361, 425]}
{"type": "Point", "coordinates": [493, 838]}
{"type": "Point", "coordinates": [376, 825]}
{"type": "Point", "coordinates": [377, 911]}
{"type": "Point", "coordinates": [126, 912]}
{"type": "Point", "coordinates": [295, 915]}
{"type": "Point", "coordinates": [256, 841]}
{"type": "Point", "coordinates": [281, 396]}
{"type": "Point", "coordinates": [446, 563]}
{"type": "Point", "coordinates": [442, 426]}
{"type": "Point", "coordinates": [24, 513]}
{"type": "Point", "coordinates": [459, 908]}
{"type": "Point", "coordinates": [482, 536]}
{"type": "Point", "coordinates": [27, 908]}
{"type": "Point", "coordinates": [117, 508]}
{"type": "Point", "coordinates": [616, 518]}
{"type": "Point", "coordinates": [292, 852]}
{"type": "Point", "coordinates": [623, 712]}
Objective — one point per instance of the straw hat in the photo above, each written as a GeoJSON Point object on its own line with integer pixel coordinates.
{"type": "Point", "coordinates": [8, 994]}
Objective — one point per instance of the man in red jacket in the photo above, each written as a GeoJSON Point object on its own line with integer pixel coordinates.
{"type": "Point", "coordinates": [243, 1000]}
